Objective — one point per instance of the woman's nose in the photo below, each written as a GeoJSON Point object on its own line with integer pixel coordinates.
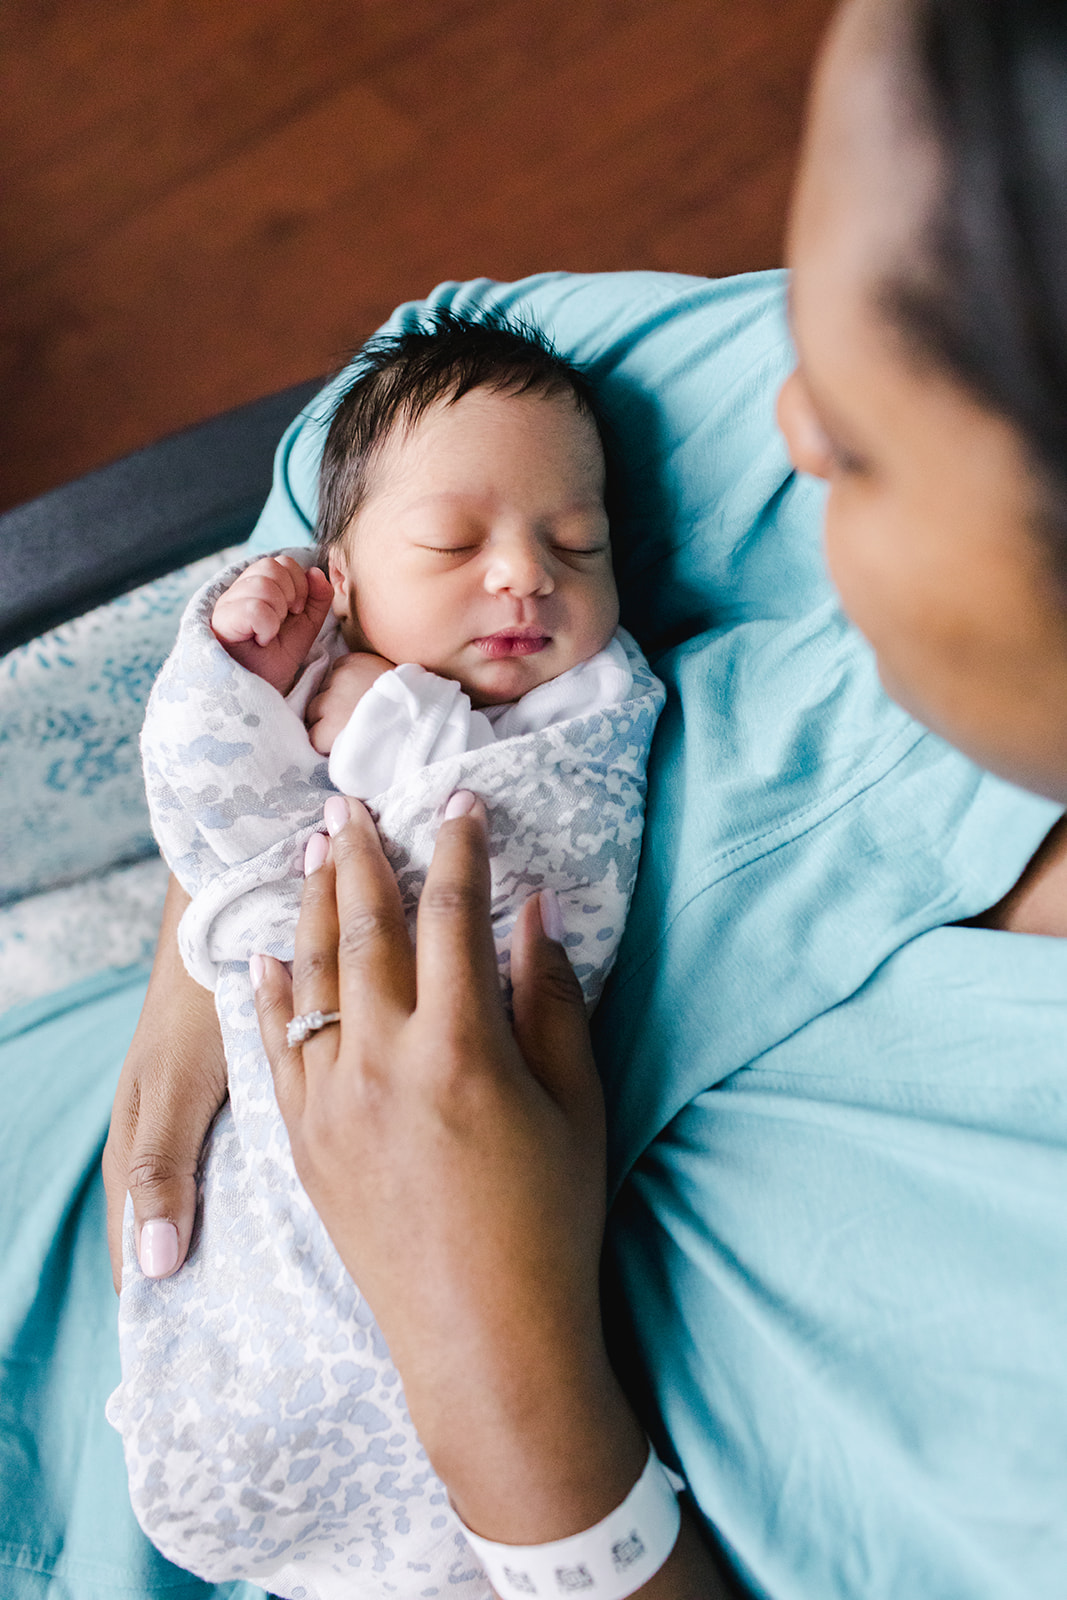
{"type": "Point", "coordinates": [519, 566]}
{"type": "Point", "coordinates": [808, 446]}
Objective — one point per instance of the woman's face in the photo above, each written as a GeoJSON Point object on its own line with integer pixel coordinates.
{"type": "Point", "coordinates": [932, 506]}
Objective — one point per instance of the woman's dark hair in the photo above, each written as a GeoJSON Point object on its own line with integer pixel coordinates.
{"type": "Point", "coordinates": [401, 374]}
{"type": "Point", "coordinates": [989, 302]}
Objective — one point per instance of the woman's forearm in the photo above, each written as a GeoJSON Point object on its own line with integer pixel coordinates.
{"type": "Point", "coordinates": [1038, 902]}
{"type": "Point", "coordinates": [559, 1470]}
{"type": "Point", "coordinates": [175, 1000]}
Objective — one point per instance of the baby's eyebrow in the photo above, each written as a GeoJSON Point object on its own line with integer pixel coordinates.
{"type": "Point", "coordinates": [445, 496]}
{"type": "Point", "coordinates": [483, 502]}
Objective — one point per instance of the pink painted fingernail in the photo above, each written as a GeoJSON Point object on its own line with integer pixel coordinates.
{"type": "Point", "coordinates": [460, 804]}
{"type": "Point", "coordinates": [335, 813]}
{"type": "Point", "coordinates": [257, 970]}
{"type": "Point", "coordinates": [158, 1249]}
{"type": "Point", "coordinates": [318, 848]}
{"type": "Point", "coordinates": [551, 916]}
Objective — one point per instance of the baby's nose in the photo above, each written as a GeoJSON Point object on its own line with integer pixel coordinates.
{"type": "Point", "coordinates": [519, 566]}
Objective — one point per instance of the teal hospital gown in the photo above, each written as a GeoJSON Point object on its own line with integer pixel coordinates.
{"type": "Point", "coordinates": [838, 1248]}
{"type": "Point", "coordinates": [836, 1275]}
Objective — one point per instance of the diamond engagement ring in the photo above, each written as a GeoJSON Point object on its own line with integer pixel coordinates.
{"type": "Point", "coordinates": [302, 1027]}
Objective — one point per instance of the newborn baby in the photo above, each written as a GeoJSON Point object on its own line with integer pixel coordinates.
{"type": "Point", "coordinates": [465, 637]}
{"type": "Point", "coordinates": [482, 554]}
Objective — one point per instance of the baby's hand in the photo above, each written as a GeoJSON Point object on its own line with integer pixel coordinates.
{"type": "Point", "coordinates": [270, 616]}
{"type": "Point", "coordinates": [349, 681]}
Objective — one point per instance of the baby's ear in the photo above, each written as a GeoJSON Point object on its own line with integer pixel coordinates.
{"type": "Point", "coordinates": [342, 603]}
{"type": "Point", "coordinates": [344, 600]}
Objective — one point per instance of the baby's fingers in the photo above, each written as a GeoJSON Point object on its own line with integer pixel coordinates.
{"type": "Point", "coordinates": [286, 573]}
{"type": "Point", "coordinates": [318, 598]}
{"type": "Point", "coordinates": [252, 608]}
{"type": "Point", "coordinates": [304, 588]}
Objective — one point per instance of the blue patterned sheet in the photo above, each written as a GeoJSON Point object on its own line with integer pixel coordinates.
{"type": "Point", "coordinates": [81, 882]}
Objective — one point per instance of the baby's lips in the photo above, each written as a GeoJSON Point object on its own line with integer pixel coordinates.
{"type": "Point", "coordinates": [527, 642]}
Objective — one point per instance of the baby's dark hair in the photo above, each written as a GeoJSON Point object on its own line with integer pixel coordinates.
{"type": "Point", "coordinates": [402, 374]}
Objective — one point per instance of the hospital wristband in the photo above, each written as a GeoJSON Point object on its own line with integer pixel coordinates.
{"type": "Point", "coordinates": [609, 1561]}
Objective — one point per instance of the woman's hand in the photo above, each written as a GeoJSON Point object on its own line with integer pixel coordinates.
{"type": "Point", "coordinates": [459, 1168]}
{"type": "Point", "coordinates": [172, 1085]}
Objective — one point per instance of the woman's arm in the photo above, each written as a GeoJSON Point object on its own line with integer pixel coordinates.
{"type": "Point", "coordinates": [459, 1168]}
{"type": "Point", "coordinates": [1038, 902]}
{"type": "Point", "coordinates": [172, 1084]}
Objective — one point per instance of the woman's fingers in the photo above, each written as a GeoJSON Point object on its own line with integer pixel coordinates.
{"type": "Point", "coordinates": [352, 953]}
{"type": "Point", "coordinates": [173, 1082]}
{"type": "Point", "coordinates": [456, 957]}
{"type": "Point", "coordinates": [376, 967]}
{"type": "Point", "coordinates": [315, 983]}
{"type": "Point", "coordinates": [274, 1007]}
{"type": "Point", "coordinates": [153, 1152]}
{"type": "Point", "coordinates": [551, 1027]}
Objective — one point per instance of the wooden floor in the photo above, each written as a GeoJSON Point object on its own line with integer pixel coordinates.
{"type": "Point", "coordinates": [204, 200]}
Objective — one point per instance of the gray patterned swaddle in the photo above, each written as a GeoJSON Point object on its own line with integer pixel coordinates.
{"type": "Point", "coordinates": [264, 1425]}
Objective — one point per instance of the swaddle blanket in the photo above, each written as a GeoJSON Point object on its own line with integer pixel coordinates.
{"type": "Point", "coordinates": [265, 1428]}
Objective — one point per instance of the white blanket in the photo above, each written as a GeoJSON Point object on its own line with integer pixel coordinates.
{"type": "Point", "coordinates": [265, 1428]}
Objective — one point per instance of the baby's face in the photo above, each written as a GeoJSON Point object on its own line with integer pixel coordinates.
{"type": "Point", "coordinates": [481, 551]}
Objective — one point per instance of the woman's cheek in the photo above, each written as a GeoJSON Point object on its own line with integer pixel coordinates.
{"type": "Point", "coordinates": [841, 549]}
{"type": "Point", "coordinates": [870, 573]}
